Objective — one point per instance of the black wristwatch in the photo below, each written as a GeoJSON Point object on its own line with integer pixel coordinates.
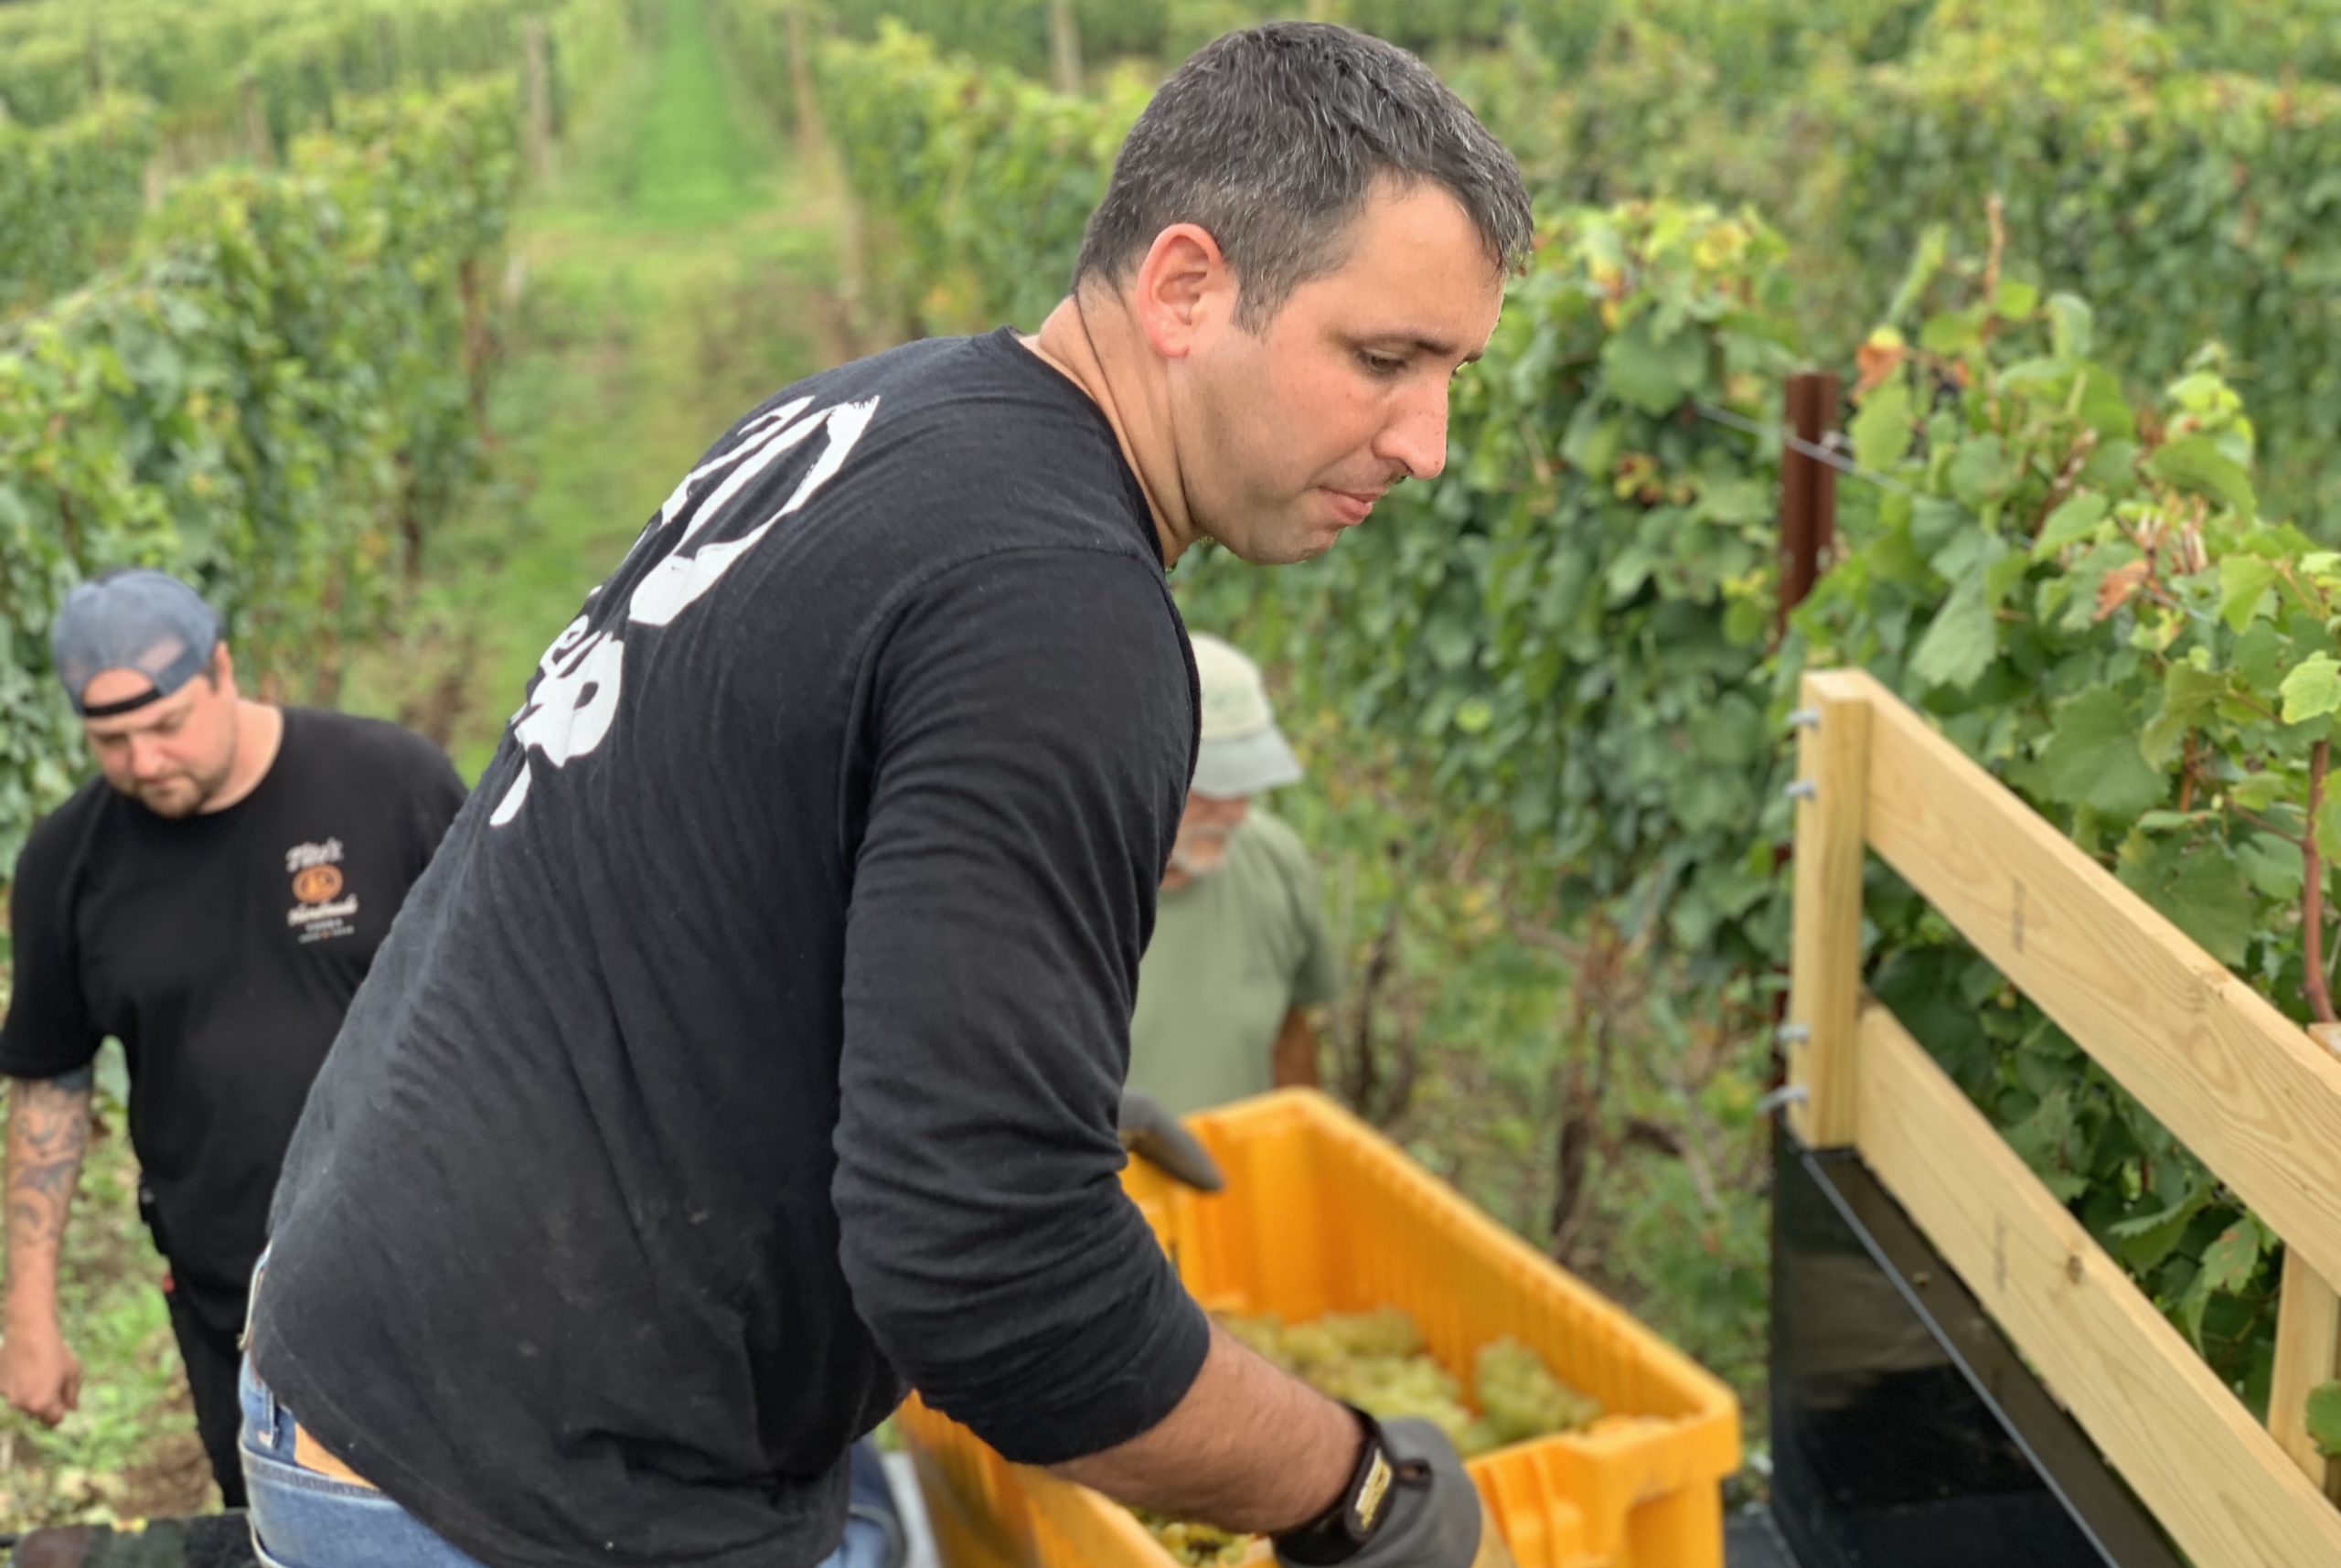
{"type": "Point", "coordinates": [1343, 1531]}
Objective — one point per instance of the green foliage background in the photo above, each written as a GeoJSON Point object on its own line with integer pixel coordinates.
{"type": "Point", "coordinates": [1545, 689]}
{"type": "Point", "coordinates": [276, 387]}
{"type": "Point", "coordinates": [266, 399]}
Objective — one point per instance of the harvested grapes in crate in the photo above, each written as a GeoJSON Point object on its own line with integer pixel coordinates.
{"type": "Point", "coordinates": [1377, 1362]}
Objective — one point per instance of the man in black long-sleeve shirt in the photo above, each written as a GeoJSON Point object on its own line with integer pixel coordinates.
{"type": "Point", "coordinates": [753, 1048]}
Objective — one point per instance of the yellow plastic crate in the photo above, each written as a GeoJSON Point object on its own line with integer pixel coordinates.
{"type": "Point", "coordinates": [1323, 1214]}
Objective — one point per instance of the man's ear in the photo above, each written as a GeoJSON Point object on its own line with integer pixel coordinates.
{"type": "Point", "coordinates": [222, 673]}
{"type": "Point", "coordinates": [1181, 288]}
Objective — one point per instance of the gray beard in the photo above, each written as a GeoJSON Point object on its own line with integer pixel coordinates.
{"type": "Point", "coordinates": [1185, 865]}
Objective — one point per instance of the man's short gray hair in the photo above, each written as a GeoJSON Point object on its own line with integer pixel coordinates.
{"type": "Point", "coordinates": [1272, 140]}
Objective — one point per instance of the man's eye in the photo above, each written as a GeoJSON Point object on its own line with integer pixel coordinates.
{"type": "Point", "coordinates": [1381, 364]}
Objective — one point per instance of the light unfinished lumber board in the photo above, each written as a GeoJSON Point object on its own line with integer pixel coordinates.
{"type": "Point", "coordinates": [2227, 1492]}
{"type": "Point", "coordinates": [2308, 1352]}
{"type": "Point", "coordinates": [2245, 1088]}
{"type": "Point", "coordinates": [1825, 960]}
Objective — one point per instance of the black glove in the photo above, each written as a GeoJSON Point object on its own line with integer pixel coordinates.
{"type": "Point", "coordinates": [1155, 1136]}
{"type": "Point", "coordinates": [1410, 1503]}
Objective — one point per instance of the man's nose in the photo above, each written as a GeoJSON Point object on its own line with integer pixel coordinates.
{"type": "Point", "coordinates": [1416, 440]}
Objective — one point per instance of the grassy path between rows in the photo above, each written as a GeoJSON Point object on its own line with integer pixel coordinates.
{"type": "Point", "coordinates": [676, 272]}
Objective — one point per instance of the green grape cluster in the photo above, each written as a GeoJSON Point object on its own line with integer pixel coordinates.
{"type": "Point", "coordinates": [1197, 1544]}
{"type": "Point", "coordinates": [1377, 1362]}
{"type": "Point", "coordinates": [1374, 1360]}
{"type": "Point", "coordinates": [1520, 1398]}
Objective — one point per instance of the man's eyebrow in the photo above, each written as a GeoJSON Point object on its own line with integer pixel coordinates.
{"type": "Point", "coordinates": [154, 722]}
{"type": "Point", "coordinates": [1438, 347]}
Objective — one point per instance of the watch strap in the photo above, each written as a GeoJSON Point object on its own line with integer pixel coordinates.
{"type": "Point", "coordinates": [1343, 1531]}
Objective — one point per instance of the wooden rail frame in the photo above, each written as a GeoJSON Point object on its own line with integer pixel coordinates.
{"type": "Point", "coordinates": [2254, 1095]}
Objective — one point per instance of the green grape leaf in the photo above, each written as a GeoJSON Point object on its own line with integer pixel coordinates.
{"type": "Point", "coordinates": [2325, 1418]}
{"type": "Point", "coordinates": [2076, 520]}
{"type": "Point", "coordinates": [2188, 694]}
{"type": "Point", "coordinates": [1881, 430]}
{"type": "Point", "coordinates": [2194, 463]}
{"type": "Point", "coordinates": [2145, 1242]}
{"type": "Point", "coordinates": [1952, 332]}
{"type": "Point", "coordinates": [2228, 1261]}
{"type": "Point", "coordinates": [2203, 888]}
{"type": "Point", "coordinates": [1964, 639]}
{"type": "Point", "coordinates": [2258, 792]}
{"type": "Point", "coordinates": [2258, 656]}
{"type": "Point", "coordinates": [2313, 689]}
{"type": "Point", "coordinates": [1983, 470]}
{"type": "Point", "coordinates": [2092, 759]}
{"type": "Point", "coordinates": [2244, 581]}
{"type": "Point", "coordinates": [1656, 376]}
{"type": "Point", "coordinates": [2273, 865]}
{"type": "Point", "coordinates": [2071, 327]}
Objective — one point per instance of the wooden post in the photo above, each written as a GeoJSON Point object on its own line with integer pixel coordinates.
{"type": "Point", "coordinates": [1825, 955]}
{"type": "Point", "coordinates": [539, 73]}
{"type": "Point", "coordinates": [2308, 1345]}
{"type": "Point", "coordinates": [800, 84]}
{"type": "Point", "coordinates": [1808, 490]}
{"type": "Point", "coordinates": [2308, 1352]}
{"type": "Point", "coordinates": [256, 133]}
{"type": "Point", "coordinates": [1065, 46]}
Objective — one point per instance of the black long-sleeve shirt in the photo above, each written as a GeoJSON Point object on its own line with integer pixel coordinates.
{"type": "Point", "coordinates": [754, 1044]}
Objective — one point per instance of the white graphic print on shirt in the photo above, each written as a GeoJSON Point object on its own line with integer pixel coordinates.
{"type": "Point", "coordinates": [569, 709]}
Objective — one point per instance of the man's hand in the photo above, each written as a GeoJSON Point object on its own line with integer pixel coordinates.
{"type": "Point", "coordinates": [1428, 1513]}
{"type": "Point", "coordinates": [38, 1375]}
{"type": "Point", "coordinates": [1154, 1134]}
{"type": "Point", "coordinates": [49, 1128]}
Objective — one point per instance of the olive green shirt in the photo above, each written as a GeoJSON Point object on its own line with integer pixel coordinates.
{"type": "Point", "coordinates": [1232, 953]}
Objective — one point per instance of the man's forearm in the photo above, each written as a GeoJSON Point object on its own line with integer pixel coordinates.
{"type": "Point", "coordinates": [1248, 1448]}
{"type": "Point", "coordinates": [48, 1130]}
{"type": "Point", "coordinates": [1293, 1060]}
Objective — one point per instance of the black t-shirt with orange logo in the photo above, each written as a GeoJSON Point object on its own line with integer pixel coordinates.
{"type": "Point", "coordinates": [222, 950]}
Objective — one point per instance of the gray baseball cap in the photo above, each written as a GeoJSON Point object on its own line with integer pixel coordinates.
{"type": "Point", "coordinates": [131, 619]}
{"type": "Point", "coordinates": [1242, 752]}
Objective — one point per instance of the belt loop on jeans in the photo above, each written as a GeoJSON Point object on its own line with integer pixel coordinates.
{"type": "Point", "coordinates": [251, 1299]}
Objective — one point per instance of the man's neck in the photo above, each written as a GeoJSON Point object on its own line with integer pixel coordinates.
{"type": "Point", "coordinates": [1097, 349]}
{"type": "Point", "coordinates": [260, 734]}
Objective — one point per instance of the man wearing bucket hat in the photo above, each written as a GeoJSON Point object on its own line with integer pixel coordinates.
{"type": "Point", "coordinates": [1239, 951]}
{"type": "Point", "coordinates": [211, 900]}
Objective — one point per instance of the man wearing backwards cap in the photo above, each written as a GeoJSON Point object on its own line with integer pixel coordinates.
{"type": "Point", "coordinates": [1239, 947]}
{"type": "Point", "coordinates": [213, 901]}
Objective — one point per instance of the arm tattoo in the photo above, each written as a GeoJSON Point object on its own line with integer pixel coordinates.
{"type": "Point", "coordinates": [49, 1129]}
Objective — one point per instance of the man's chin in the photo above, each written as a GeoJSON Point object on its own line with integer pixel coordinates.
{"type": "Point", "coordinates": [177, 801]}
{"type": "Point", "coordinates": [1287, 549]}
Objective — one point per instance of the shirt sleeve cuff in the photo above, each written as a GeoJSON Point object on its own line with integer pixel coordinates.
{"type": "Point", "coordinates": [1157, 1368]}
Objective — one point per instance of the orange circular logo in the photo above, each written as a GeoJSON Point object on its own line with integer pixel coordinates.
{"type": "Point", "coordinates": [317, 884]}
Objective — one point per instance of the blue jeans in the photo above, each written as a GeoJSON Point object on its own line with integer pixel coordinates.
{"type": "Point", "coordinates": [303, 1520]}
